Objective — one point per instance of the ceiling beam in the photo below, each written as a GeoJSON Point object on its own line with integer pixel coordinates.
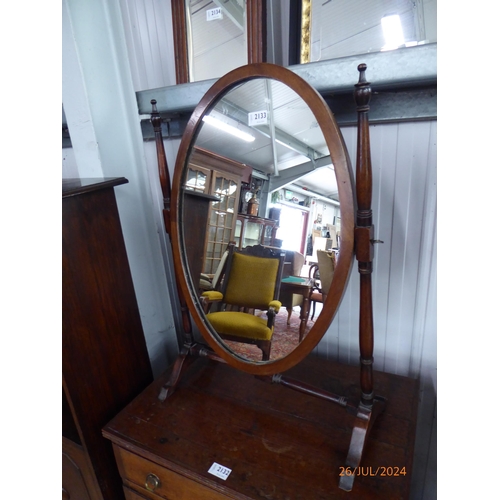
{"type": "Point", "coordinates": [240, 115]}
{"type": "Point", "coordinates": [406, 92]}
{"type": "Point", "coordinates": [234, 11]}
{"type": "Point", "coordinates": [403, 68]}
{"type": "Point", "coordinates": [294, 173]}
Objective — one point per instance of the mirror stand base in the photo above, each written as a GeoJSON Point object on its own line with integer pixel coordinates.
{"type": "Point", "coordinates": [188, 353]}
{"type": "Point", "coordinates": [365, 418]}
{"type": "Point", "coordinates": [300, 386]}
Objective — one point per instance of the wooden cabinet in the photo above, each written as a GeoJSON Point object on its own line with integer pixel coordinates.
{"type": "Point", "coordinates": [252, 230]}
{"type": "Point", "coordinates": [215, 175]}
{"type": "Point", "coordinates": [278, 443]}
{"type": "Point", "coordinates": [196, 207]}
{"type": "Point", "coordinates": [104, 356]}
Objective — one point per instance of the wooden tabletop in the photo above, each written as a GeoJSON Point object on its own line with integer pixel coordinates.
{"type": "Point", "coordinates": [279, 444]}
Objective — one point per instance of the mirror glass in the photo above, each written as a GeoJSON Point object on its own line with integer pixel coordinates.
{"type": "Point", "coordinates": [254, 146]}
{"type": "Point", "coordinates": [216, 37]}
{"type": "Point", "coordinates": [264, 125]}
{"type": "Point", "coordinates": [349, 27]}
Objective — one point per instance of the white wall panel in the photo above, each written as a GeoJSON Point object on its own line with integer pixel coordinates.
{"type": "Point", "coordinates": [69, 166]}
{"type": "Point", "coordinates": [149, 36]}
{"type": "Point", "coordinates": [404, 166]}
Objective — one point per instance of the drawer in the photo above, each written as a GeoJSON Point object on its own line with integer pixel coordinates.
{"type": "Point", "coordinates": [162, 482]}
{"type": "Point", "coordinates": [133, 495]}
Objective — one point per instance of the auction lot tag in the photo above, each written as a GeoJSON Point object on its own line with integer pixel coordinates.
{"type": "Point", "coordinates": [257, 118]}
{"type": "Point", "coordinates": [214, 14]}
{"type": "Point", "coordinates": [219, 471]}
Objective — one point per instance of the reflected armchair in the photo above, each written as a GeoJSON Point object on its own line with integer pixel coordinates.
{"type": "Point", "coordinates": [251, 281]}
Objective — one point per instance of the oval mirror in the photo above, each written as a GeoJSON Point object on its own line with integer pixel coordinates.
{"type": "Point", "coordinates": [260, 125]}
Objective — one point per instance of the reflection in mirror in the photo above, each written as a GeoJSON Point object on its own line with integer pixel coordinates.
{"type": "Point", "coordinates": [343, 28]}
{"type": "Point", "coordinates": [256, 151]}
{"type": "Point", "coordinates": [216, 37]}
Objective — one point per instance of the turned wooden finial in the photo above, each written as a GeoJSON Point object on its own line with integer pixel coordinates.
{"type": "Point", "coordinates": [155, 116]}
{"type": "Point", "coordinates": [156, 121]}
{"type": "Point", "coordinates": [363, 91]}
{"type": "Point", "coordinates": [362, 69]}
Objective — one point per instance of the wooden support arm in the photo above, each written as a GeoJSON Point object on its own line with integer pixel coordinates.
{"type": "Point", "coordinates": [156, 121]}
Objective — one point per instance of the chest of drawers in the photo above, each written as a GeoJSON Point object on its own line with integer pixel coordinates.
{"type": "Point", "coordinates": [279, 444]}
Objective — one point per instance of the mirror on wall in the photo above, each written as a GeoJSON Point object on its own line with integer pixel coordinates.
{"type": "Point", "coordinates": [216, 36]}
{"type": "Point", "coordinates": [252, 136]}
{"type": "Point", "coordinates": [332, 29]}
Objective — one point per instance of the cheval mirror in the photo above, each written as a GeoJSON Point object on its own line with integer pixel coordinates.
{"type": "Point", "coordinates": [276, 113]}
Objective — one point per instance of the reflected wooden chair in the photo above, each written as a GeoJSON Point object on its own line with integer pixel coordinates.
{"type": "Point", "coordinates": [251, 282]}
{"type": "Point", "coordinates": [213, 281]}
{"type": "Point", "coordinates": [324, 271]}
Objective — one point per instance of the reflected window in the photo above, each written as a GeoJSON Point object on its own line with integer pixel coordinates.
{"type": "Point", "coordinates": [196, 180]}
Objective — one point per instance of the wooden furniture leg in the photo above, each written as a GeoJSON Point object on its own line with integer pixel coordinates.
{"type": "Point", "coordinates": [304, 314]}
{"type": "Point", "coordinates": [185, 358]}
{"type": "Point", "coordinates": [365, 418]}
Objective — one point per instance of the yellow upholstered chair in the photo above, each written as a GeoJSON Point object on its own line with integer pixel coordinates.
{"type": "Point", "coordinates": [251, 282]}
{"type": "Point", "coordinates": [325, 267]}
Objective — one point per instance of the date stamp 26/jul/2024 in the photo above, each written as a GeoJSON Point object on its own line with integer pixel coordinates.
{"type": "Point", "coordinates": [380, 471]}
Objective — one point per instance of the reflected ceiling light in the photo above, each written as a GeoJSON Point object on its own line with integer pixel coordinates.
{"type": "Point", "coordinates": [228, 128]}
{"type": "Point", "coordinates": [393, 32]}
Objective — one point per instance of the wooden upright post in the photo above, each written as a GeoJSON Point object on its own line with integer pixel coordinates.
{"type": "Point", "coordinates": [369, 406]}
{"type": "Point", "coordinates": [364, 236]}
{"type": "Point", "coordinates": [156, 121]}
{"type": "Point", "coordinates": [190, 349]}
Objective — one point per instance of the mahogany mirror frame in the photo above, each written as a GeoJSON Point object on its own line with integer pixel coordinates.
{"type": "Point", "coordinates": [345, 181]}
{"type": "Point", "coordinates": [256, 36]}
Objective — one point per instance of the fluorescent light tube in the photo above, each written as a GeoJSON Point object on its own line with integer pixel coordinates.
{"type": "Point", "coordinates": [228, 128]}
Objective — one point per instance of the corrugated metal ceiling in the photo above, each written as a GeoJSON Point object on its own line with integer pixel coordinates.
{"type": "Point", "coordinates": [289, 138]}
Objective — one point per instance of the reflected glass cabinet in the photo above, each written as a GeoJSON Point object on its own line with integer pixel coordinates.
{"type": "Point", "coordinates": [252, 230]}
{"type": "Point", "coordinates": [221, 223]}
{"type": "Point", "coordinates": [215, 175]}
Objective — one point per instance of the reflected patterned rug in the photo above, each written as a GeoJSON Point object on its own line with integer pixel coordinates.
{"type": "Point", "coordinates": [285, 338]}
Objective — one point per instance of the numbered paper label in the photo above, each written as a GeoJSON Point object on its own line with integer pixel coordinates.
{"type": "Point", "coordinates": [214, 14]}
{"type": "Point", "coordinates": [257, 118]}
{"type": "Point", "coordinates": [219, 471]}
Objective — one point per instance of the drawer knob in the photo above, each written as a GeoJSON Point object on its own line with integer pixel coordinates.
{"type": "Point", "coordinates": [152, 482]}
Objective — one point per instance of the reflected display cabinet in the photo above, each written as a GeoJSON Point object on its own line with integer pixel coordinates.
{"type": "Point", "coordinates": [220, 177]}
{"type": "Point", "coordinates": [252, 230]}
